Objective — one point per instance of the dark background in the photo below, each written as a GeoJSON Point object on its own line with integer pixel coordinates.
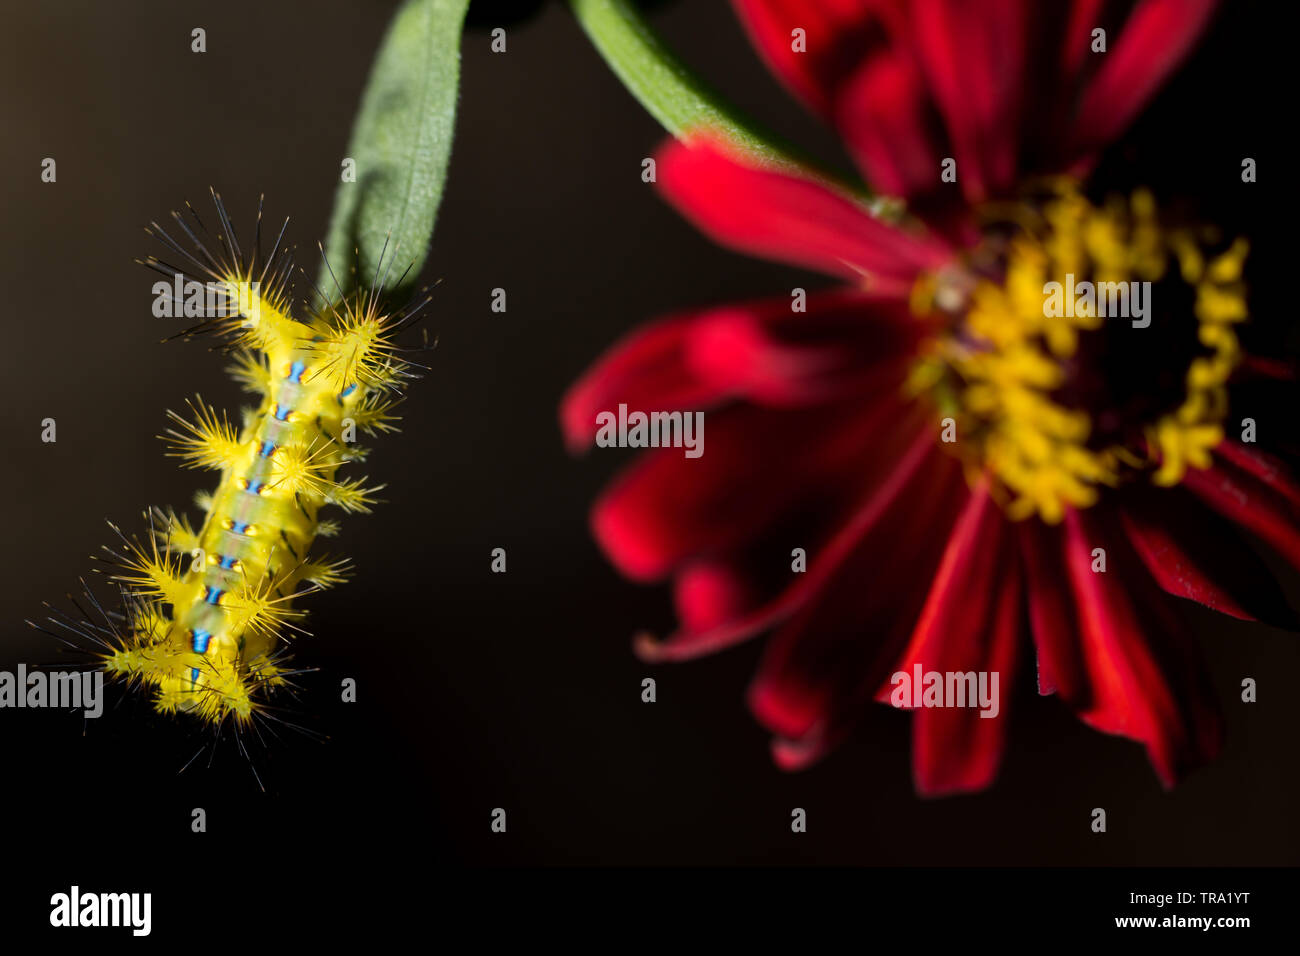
{"type": "Point", "coordinates": [480, 690]}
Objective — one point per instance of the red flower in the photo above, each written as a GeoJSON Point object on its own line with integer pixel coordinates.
{"type": "Point", "coordinates": [1088, 474]}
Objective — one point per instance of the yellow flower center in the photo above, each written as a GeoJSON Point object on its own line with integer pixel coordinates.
{"type": "Point", "coordinates": [1054, 366]}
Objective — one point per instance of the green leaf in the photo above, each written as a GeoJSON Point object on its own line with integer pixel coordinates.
{"type": "Point", "coordinates": [401, 143]}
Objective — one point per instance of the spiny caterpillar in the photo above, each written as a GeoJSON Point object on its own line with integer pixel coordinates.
{"type": "Point", "coordinates": [206, 612]}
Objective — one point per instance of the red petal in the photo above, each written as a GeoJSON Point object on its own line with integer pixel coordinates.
{"type": "Point", "coordinates": [1195, 555]}
{"type": "Point", "coordinates": [1259, 367]}
{"type": "Point", "coordinates": [1052, 617]}
{"type": "Point", "coordinates": [725, 598]}
{"type": "Point", "coordinates": [1084, 17]}
{"type": "Point", "coordinates": [845, 343]}
{"type": "Point", "coordinates": [974, 60]}
{"type": "Point", "coordinates": [959, 749]}
{"type": "Point", "coordinates": [823, 563]}
{"type": "Point", "coordinates": [1265, 467]}
{"type": "Point", "coordinates": [759, 466]}
{"type": "Point", "coordinates": [645, 370]}
{"type": "Point", "coordinates": [762, 352]}
{"type": "Point", "coordinates": [859, 73]}
{"type": "Point", "coordinates": [1154, 40]}
{"type": "Point", "coordinates": [709, 594]}
{"type": "Point", "coordinates": [1250, 501]}
{"type": "Point", "coordinates": [801, 753]}
{"type": "Point", "coordinates": [819, 669]}
{"type": "Point", "coordinates": [882, 117]}
{"type": "Point", "coordinates": [1145, 681]}
{"type": "Point", "coordinates": [776, 214]}
{"type": "Point", "coordinates": [837, 33]}
{"type": "Point", "coordinates": [969, 623]}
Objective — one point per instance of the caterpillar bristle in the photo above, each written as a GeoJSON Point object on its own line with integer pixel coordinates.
{"type": "Point", "coordinates": [173, 532]}
{"type": "Point", "coordinates": [371, 414]}
{"type": "Point", "coordinates": [251, 371]}
{"type": "Point", "coordinates": [353, 496]}
{"type": "Point", "coordinates": [324, 572]}
{"type": "Point", "coordinates": [209, 441]}
{"type": "Point", "coordinates": [305, 469]}
{"type": "Point", "coordinates": [254, 293]}
{"type": "Point", "coordinates": [147, 570]}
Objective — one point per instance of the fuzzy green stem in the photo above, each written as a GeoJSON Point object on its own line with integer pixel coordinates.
{"type": "Point", "coordinates": [669, 91]}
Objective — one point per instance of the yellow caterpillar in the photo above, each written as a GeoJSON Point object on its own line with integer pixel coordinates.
{"type": "Point", "coordinates": [208, 612]}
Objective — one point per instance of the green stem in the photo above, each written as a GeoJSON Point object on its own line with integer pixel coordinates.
{"type": "Point", "coordinates": [669, 91]}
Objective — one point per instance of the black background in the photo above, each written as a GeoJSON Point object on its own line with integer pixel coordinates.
{"type": "Point", "coordinates": [480, 690]}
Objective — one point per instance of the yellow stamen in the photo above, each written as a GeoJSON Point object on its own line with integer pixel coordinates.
{"type": "Point", "coordinates": [999, 367]}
